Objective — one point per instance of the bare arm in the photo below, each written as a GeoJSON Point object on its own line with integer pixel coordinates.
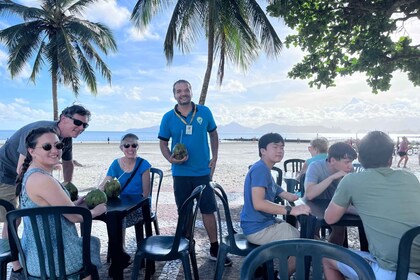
{"type": "Point", "coordinates": [312, 190]}
{"type": "Point", "coordinates": [145, 177]}
{"type": "Point", "coordinates": [52, 194]}
{"type": "Point", "coordinates": [214, 145]}
{"type": "Point", "coordinates": [263, 205]}
{"type": "Point", "coordinates": [334, 213]}
{"type": "Point", "coordinates": [68, 168]}
{"type": "Point", "coordinates": [102, 185]}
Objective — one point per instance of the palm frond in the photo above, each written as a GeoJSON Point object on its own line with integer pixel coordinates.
{"type": "Point", "coordinates": [37, 62]}
{"type": "Point", "coordinates": [8, 8]}
{"type": "Point", "coordinates": [86, 70]}
{"type": "Point", "coordinates": [270, 41]}
{"type": "Point", "coordinates": [144, 10]}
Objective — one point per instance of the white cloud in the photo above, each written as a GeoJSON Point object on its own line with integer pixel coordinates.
{"type": "Point", "coordinates": [21, 101]}
{"type": "Point", "coordinates": [109, 13]}
{"type": "Point", "coordinates": [135, 34]}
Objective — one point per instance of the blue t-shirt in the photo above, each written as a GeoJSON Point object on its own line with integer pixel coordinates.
{"type": "Point", "coordinates": [259, 175]}
{"type": "Point", "coordinates": [197, 142]}
{"type": "Point", "coordinates": [135, 187]}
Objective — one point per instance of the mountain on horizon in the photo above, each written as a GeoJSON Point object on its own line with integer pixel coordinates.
{"type": "Point", "coordinates": [236, 128]}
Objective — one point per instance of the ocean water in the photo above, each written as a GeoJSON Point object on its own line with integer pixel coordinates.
{"type": "Point", "coordinates": [147, 136]}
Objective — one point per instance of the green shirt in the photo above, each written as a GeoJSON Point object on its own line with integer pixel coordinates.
{"type": "Point", "coordinates": [388, 203]}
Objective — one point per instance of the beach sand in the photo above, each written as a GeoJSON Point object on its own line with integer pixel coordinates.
{"type": "Point", "coordinates": [232, 166]}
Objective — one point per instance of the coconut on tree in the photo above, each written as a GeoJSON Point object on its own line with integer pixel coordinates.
{"type": "Point", "coordinates": [235, 30]}
{"type": "Point", "coordinates": [54, 34]}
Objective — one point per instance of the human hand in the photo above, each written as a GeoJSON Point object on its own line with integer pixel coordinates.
{"type": "Point", "coordinates": [212, 166]}
{"type": "Point", "coordinates": [339, 174]}
{"type": "Point", "coordinates": [80, 200]}
{"type": "Point", "coordinates": [178, 161]}
{"type": "Point", "coordinates": [98, 210]}
{"type": "Point", "coordinates": [302, 209]}
{"type": "Point", "coordinates": [290, 196]}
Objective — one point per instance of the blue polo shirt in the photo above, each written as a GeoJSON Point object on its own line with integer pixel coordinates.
{"type": "Point", "coordinates": [197, 143]}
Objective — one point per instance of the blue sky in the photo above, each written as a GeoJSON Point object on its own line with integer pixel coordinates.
{"type": "Point", "coordinates": [141, 86]}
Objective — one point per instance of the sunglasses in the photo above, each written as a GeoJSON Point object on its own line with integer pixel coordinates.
{"type": "Point", "coordinates": [78, 122]}
{"type": "Point", "coordinates": [48, 146]}
{"type": "Point", "coordinates": [132, 146]}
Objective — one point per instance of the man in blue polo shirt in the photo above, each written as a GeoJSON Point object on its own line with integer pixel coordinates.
{"type": "Point", "coordinates": [190, 124]}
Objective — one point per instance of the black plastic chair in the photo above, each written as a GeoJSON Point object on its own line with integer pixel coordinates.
{"type": "Point", "coordinates": [40, 218]}
{"type": "Point", "coordinates": [173, 247]}
{"type": "Point", "coordinates": [404, 252]}
{"type": "Point", "coordinates": [233, 243]}
{"type": "Point", "coordinates": [358, 167]}
{"type": "Point", "coordinates": [294, 164]}
{"type": "Point", "coordinates": [156, 175]}
{"type": "Point", "coordinates": [5, 252]}
{"type": "Point", "coordinates": [302, 249]}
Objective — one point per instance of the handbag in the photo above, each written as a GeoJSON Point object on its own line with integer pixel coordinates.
{"type": "Point", "coordinates": [132, 175]}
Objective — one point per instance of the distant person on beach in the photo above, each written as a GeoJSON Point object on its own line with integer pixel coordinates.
{"type": "Point", "coordinates": [387, 201]}
{"type": "Point", "coordinates": [318, 149]}
{"type": "Point", "coordinates": [258, 220]}
{"type": "Point", "coordinates": [107, 140]}
{"type": "Point", "coordinates": [38, 188]}
{"type": "Point", "coordinates": [191, 124]}
{"type": "Point", "coordinates": [402, 152]}
{"type": "Point", "coordinates": [133, 173]}
{"type": "Point", "coordinates": [72, 122]}
{"type": "Point", "coordinates": [323, 176]}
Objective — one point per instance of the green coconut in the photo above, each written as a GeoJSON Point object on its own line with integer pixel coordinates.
{"type": "Point", "coordinates": [179, 151]}
{"type": "Point", "coordinates": [112, 188]}
{"type": "Point", "coordinates": [94, 198]}
{"type": "Point", "coordinates": [73, 191]}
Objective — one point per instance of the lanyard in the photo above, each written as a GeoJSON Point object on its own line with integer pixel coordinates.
{"type": "Point", "coordinates": [182, 119]}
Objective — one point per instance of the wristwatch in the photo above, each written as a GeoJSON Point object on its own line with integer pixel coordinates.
{"type": "Point", "coordinates": [288, 209]}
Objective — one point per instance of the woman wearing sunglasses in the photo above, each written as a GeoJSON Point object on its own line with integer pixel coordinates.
{"type": "Point", "coordinates": [38, 188]}
{"type": "Point", "coordinates": [133, 173]}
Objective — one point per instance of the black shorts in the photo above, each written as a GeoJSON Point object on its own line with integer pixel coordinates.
{"type": "Point", "coordinates": [401, 154]}
{"type": "Point", "coordinates": [183, 187]}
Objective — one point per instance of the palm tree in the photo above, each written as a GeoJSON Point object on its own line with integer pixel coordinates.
{"type": "Point", "coordinates": [235, 30]}
{"type": "Point", "coordinates": [56, 36]}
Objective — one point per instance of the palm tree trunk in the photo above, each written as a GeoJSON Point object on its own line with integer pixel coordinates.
{"type": "Point", "coordinates": [210, 54]}
{"type": "Point", "coordinates": [54, 94]}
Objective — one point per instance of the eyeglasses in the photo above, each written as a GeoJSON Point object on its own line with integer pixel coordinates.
{"type": "Point", "coordinates": [132, 146]}
{"type": "Point", "coordinates": [47, 146]}
{"type": "Point", "coordinates": [78, 122]}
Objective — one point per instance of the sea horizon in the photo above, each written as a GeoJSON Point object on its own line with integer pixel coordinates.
{"type": "Point", "coordinates": [148, 136]}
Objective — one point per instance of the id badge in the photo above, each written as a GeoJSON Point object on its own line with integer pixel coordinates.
{"type": "Point", "coordinates": [188, 129]}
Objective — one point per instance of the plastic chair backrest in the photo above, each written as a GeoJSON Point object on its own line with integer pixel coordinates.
{"type": "Point", "coordinates": [295, 163]}
{"type": "Point", "coordinates": [218, 190]}
{"type": "Point", "coordinates": [8, 250]}
{"type": "Point", "coordinates": [45, 222]}
{"type": "Point", "coordinates": [302, 185]}
{"type": "Point", "coordinates": [404, 252]}
{"type": "Point", "coordinates": [301, 249]}
{"type": "Point", "coordinates": [357, 167]}
{"type": "Point", "coordinates": [154, 173]}
{"type": "Point", "coordinates": [186, 218]}
{"type": "Point", "coordinates": [278, 175]}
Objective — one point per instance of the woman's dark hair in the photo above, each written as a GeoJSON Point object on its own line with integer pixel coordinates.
{"type": "Point", "coordinates": [376, 150]}
{"type": "Point", "coordinates": [30, 142]}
